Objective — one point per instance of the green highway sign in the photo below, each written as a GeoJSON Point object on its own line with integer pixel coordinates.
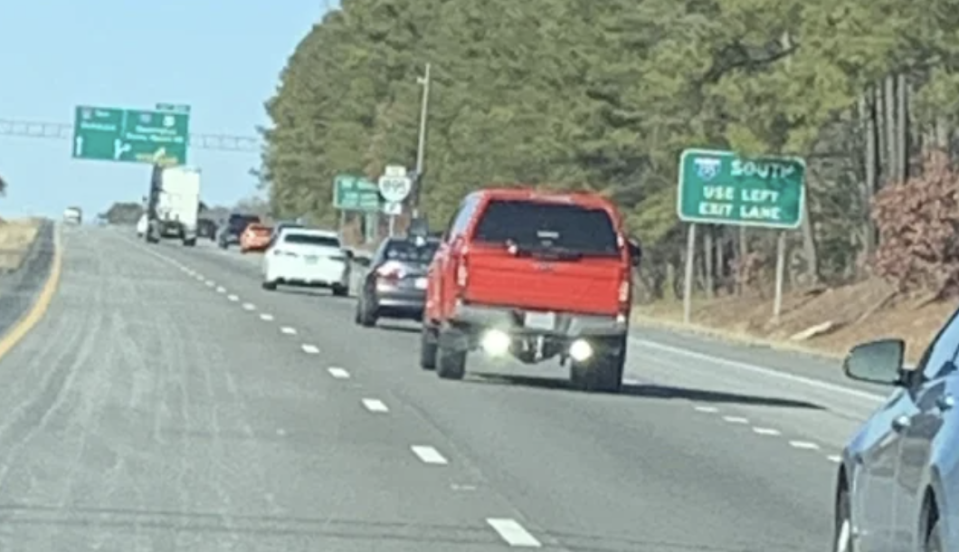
{"type": "Point", "coordinates": [176, 108]}
{"type": "Point", "coordinates": [130, 135]}
{"type": "Point", "coordinates": [721, 187]}
{"type": "Point", "coordinates": [355, 193]}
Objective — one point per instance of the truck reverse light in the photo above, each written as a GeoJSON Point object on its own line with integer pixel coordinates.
{"type": "Point", "coordinates": [495, 343]}
{"type": "Point", "coordinates": [580, 350]}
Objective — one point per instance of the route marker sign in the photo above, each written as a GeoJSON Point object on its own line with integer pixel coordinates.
{"type": "Point", "coordinates": [355, 193]}
{"type": "Point", "coordinates": [721, 187]}
{"type": "Point", "coordinates": [395, 185]}
{"type": "Point", "coordinates": [130, 135]}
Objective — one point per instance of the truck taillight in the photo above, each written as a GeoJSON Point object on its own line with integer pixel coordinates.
{"type": "Point", "coordinates": [624, 291]}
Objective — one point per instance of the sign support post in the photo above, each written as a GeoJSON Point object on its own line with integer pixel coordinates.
{"type": "Point", "coordinates": [780, 275]}
{"type": "Point", "coordinates": [688, 277]}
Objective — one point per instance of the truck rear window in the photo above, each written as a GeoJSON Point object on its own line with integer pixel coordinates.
{"type": "Point", "coordinates": [539, 224]}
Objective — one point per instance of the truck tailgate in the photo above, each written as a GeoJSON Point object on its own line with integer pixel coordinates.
{"type": "Point", "coordinates": [585, 285]}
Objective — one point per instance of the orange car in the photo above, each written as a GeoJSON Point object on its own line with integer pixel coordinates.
{"type": "Point", "coordinates": [256, 237]}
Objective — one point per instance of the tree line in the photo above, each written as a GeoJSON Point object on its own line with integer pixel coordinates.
{"type": "Point", "coordinates": [605, 95]}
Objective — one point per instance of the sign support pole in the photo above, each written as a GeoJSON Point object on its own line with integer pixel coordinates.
{"type": "Point", "coordinates": [780, 275]}
{"type": "Point", "coordinates": [688, 280]}
{"type": "Point", "coordinates": [392, 230]}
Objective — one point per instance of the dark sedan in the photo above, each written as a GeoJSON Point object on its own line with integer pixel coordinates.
{"type": "Point", "coordinates": [395, 285]}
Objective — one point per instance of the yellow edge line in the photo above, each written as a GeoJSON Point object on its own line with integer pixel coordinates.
{"type": "Point", "coordinates": [22, 326]}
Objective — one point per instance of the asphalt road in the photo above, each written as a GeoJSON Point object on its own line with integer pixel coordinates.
{"type": "Point", "coordinates": [167, 402]}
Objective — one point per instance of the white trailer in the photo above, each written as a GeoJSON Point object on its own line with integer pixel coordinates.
{"type": "Point", "coordinates": [173, 207]}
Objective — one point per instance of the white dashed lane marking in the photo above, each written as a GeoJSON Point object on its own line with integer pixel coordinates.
{"type": "Point", "coordinates": [707, 409]}
{"type": "Point", "coordinates": [736, 419]}
{"type": "Point", "coordinates": [220, 289]}
{"type": "Point", "coordinates": [310, 349]}
{"type": "Point", "coordinates": [375, 405]}
{"type": "Point", "coordinates": [806, 445]}
{"type": "Point", "coordinates": [266, 317]}
{"type": "Point", "coordinates": [210, 283]}
{"type": "Point", "coordinates": [766, 431]}
{"type": "Point", "coordinates": [233, 298]}
{"type": "Point", "coordinates": [513, 533]}
{"type": "Point", "coordinates": [249, 306]}
{"type": "Point", "coordinates": [834, 458]}
{"type": "Point", "coordinates": [338, 373]}
{"type": "Point", "coordinates": [288, 330]}
{"type": "Point", "coordinates": [428, 455]}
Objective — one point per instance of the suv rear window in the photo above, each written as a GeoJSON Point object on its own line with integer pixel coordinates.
{"type": "Point", "coordinates": [407, 251]}
{"type": "Point", "coordinates": [311, 239]}
{"type": "Point", "coordinates": [552, 225]}
{"type": "Point", "coordinates": [242, 221]}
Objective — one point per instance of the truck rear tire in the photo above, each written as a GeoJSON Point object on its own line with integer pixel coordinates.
{"type": "Point", "coordinates": [450, 363]}
{"type": "Point", "coordinates": [604, 372]}
{"type": "Point", "coordinates": [190, 242]}
{"type": "Point", "coordinates": [428, 347]}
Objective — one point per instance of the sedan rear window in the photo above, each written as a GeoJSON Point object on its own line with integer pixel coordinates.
{"type": "Point", "coordinates": [312, 239]}
{"type": "Point", "coordinates": [408, 251]}
{"type": "Point", "coordinates": [550, 225]}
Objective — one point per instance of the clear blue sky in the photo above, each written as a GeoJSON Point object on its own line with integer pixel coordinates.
{"type": "Point", "coordinates": [221, 57]}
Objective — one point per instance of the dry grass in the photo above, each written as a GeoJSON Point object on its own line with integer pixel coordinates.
{"type": "Point", "coordinates": [15, 238]}
{"type": "Point", "coordinates": [860, 312]}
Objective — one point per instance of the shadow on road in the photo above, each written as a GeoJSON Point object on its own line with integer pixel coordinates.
{"type": "Point", "coordinates": [648, 391]}
{"type": "Point", "coordinates": [396, 327]}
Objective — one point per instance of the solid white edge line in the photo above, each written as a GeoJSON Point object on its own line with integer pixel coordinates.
{"type": "Point", "coordinates": [375, 405]}
{"type": "Point", "coordinates": [819, 384]}
{"type": "Point", "coordinates": [513, 533]}
{"type": "Point", "coordinates": [338, 373]}
{"type": "Point", "coordinates": [429, 455]}
{"type": "Point", "coordinates": [310, 349]}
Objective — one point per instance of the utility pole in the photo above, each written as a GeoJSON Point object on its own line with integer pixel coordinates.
{"type": "Point", "coordinates": [424, 81]}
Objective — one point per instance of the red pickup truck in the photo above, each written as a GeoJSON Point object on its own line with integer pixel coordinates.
{"type": "Point", "coordinates": [535, 275]}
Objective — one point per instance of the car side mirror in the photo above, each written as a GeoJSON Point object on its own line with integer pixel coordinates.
{"type": "Point", "coordinates": [635, 253]}
{"type": "Point", "coordinates": [877, 362]}
{"type": "Point", "coordinates": [349, 254]}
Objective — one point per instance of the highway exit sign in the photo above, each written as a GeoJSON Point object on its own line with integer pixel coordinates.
{"type": "Point", "coordinates": [722, 187]}
{"type": "Point", "coordinates": [131, 135]}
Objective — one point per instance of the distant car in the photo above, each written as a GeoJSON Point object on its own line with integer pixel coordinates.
{"type": "Point", "coordinates": [897, 482]}
{"type": "Point", "coordinates": [307, 258]}
{"type": "Point", "coordinates": [230, 233]}
{"type": "Point", "coordinates": [395, 285]}
{"type": "Point", "coordinates": [73, 215]}
{"type": "Point", "coordinates": [256, 237]}
{"type": "Point", "coordinates": [206, 228]}
{"type": "Point", "coordinates": [279, 226]}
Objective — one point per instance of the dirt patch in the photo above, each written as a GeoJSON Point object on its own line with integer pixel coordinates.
{"type": "Point", "coordinates": [16, 237]}
{"type": "Point", "coordinates": [832, 319]}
